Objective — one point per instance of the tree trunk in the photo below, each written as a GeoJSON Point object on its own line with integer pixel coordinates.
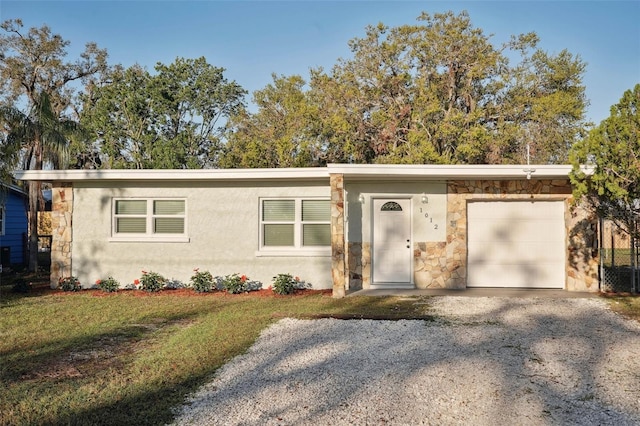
{"type": "Point", "coordinates": [34, 195]}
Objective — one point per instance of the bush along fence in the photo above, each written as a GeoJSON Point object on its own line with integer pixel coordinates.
{"type": "Point", "coordinates": [200, 282]}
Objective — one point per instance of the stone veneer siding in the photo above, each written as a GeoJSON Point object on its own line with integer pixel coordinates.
{"type": "Point", "coordinates": [337, 235]}
{"type": "Point", "coordinates": [444, 264]}
{"type": "Point", "coordinates": [359, 255]}
{"type": "Point", "coordinates": [61, 217]}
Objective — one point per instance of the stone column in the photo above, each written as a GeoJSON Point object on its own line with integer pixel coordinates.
{"type": "Point", "coordinates": [337, 235]}
{"type": "Point", "coordinates": [61, 217]}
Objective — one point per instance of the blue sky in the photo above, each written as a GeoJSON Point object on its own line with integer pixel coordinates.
{"type": "Point", "coordinates": [253, 39]}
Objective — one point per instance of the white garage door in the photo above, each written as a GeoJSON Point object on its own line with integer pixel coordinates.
{"type": "Point", "coordinates": [516, 244]}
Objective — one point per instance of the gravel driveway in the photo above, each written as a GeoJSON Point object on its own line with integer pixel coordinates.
{"type": "Point", "coordinates": [485, 361]}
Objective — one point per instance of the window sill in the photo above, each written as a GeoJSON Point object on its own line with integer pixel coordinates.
{"type": "Point", "coordinates": [149, 239]}
{"type": "Point", "coordinates": [323, 252]}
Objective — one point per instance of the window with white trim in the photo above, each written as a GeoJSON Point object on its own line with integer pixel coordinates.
{"type": "Point", "coordinates": [295, 223]}
{"type": "Point", "coordinates": [155, 218]}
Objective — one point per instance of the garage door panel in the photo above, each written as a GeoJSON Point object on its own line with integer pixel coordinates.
{"type": "Point", "coordinates": [515, 276]}
{"type": "Point", "coordinates": [516, 244]}
{"type": "Point", "coordinates": [507, 235]}
{"type": "Point", "coordinates": [526, 252]}
{"type": "Point", "coordinates": [534, 251]}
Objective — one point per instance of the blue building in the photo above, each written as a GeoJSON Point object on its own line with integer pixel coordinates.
{"type": "Point", "coordinates": [13, 225]}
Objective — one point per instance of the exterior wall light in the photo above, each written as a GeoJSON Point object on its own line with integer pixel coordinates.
{"type": "Point", "coordinates": [528, 172]}
{"type": "Point", "coordinates": [361, 198]}
{"type": "Point", "coordinates": [424, 199]}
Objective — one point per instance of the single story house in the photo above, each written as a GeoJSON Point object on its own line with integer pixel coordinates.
{"type": "Point", "coordinates": [13, 225]}
{"type": "Point", "coordinates": [343, 226]}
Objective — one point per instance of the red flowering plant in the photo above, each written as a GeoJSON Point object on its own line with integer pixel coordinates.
{"type": "Point", "coordinates": [108, 285]}
{"type": "Point", "coordinates": [287, 284]}
{"type": "Point", "coordinates": [236, 283]}
{"type": "Point", "coordinates": [69, 284]}
{"type": "Point", "coordinates": [151, 281]}
{"type": "Point", "coordinates": [202, 281]}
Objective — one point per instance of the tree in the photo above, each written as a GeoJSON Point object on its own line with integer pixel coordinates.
{"type": "Point", "coordinates": [193, 98]}
{"type": "Point", "coordinates": [42, 138]}
{"type": "Point", "coordinates": [34, 74]}
{"type": "Point", "coordinates": [117, 113]}
{"type": "Point", "coordinates": [33, 63]}
{"type": "Point", "coordinates": [168, 120]}
{"type": "Point", "coordinates": [613, 151]}
{"type": "Point", "coordinates": [278, 135]}
{"type": "Point", "coordinates": [435, 92]}
{"type": "Point", "coordinates": [422, 88]}
{"type": "Point", "coordinates": [543, 107]}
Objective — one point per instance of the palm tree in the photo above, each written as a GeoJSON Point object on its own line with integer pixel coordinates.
{"type": "Point", "coordinates": [40, 140]}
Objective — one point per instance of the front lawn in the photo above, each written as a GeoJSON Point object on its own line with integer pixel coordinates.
{"type": "Point", "coordinates": [130, 357]}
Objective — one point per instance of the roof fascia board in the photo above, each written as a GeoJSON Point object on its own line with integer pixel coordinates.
{"type": "Point", "coordinates": [362, 171]}
{"type": "Point", "coordinates": [174, 175]}
{"type": "Point", "coordinates": [440, 172]}
{"type": "Point", "coordinates": [14, 188]}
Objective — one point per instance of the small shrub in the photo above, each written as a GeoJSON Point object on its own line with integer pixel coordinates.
{"type": "Point", "coordinates": [284, 284]}
{"type": "Point", "coordinates": [202, 282]}
{"type": "Point", "coordinates": [287, 284]}
{"type": "Point", "coordinates": [235, 283]}
{"type": "Point", "coordinates": [253, 285]}
{"type": "Point", "coordinates": [302, 284]}
{"type": "Point", "coordinates": [135, 285]}
{"type": "Point", "coordinates": [173, 284]}
{"type": "Point", "coordinates": [69, 284]}
{"type": "Point", "coordinates": [152, 281]}
{"type": "Point", "coordinates": [108, 285]}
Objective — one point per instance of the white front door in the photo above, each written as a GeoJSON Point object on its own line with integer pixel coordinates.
{"type": "Point", "coordinates": [392, 253]}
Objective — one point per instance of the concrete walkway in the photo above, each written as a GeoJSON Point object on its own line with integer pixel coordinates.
{"type": "Point", "coordinates": [478, 292]}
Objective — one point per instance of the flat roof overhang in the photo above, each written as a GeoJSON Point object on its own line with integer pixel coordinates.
{"type": "Point", "coordinates": [450, 172]}
{"type": "Point", "coordinates": [172, 175]}
{"type": "Point", "coordinates": [349, 171]}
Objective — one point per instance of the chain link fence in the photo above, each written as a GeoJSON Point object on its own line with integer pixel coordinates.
{"type": "Point", "coordinates": [619, 259]}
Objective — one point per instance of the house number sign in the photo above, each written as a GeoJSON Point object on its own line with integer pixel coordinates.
{"type": "Point", "coordinates": [424, 212]}
{"type": "Point", "coordinates": [430, 214]}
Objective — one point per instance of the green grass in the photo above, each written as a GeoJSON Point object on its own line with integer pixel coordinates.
{"type": "Point", "coordinates": [628, 306]}
{"type": "Point", "coordinates": [130, 357]}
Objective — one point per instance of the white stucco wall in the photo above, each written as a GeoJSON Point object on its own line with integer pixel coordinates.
{"type": "Point", "coordinates": [223, 232]}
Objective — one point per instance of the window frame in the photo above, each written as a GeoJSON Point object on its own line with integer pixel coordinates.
{"type": "Point", "coordinates": [149, 235]}
{"type": "Point", "coordinates": [297, 249]}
